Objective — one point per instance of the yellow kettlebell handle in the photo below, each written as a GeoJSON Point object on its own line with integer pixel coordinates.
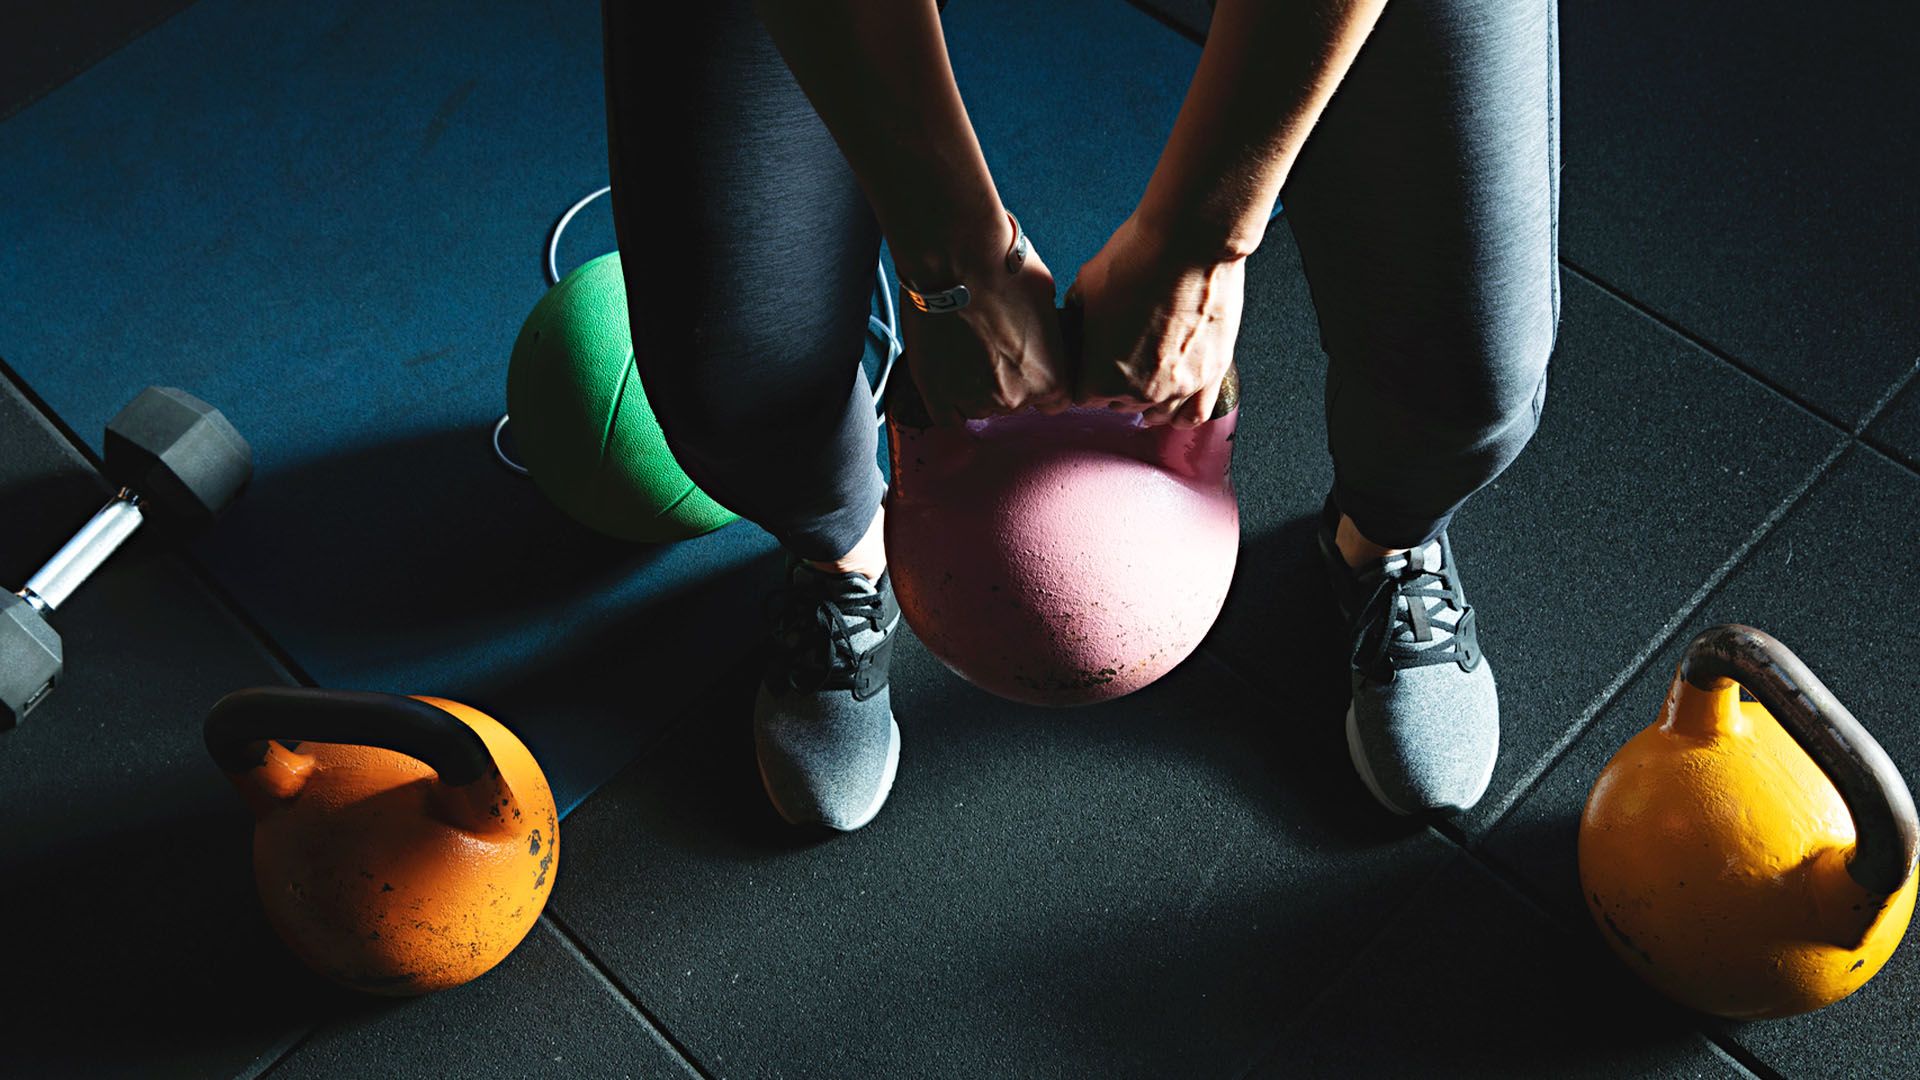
{"type": "Point", "coordinates": [1886, 830]}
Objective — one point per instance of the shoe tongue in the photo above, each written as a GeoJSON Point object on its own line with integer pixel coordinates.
{"type": "Point", "coordinates": [1417, 560]}
{"type": "Point", "coordinates": [830, 582]}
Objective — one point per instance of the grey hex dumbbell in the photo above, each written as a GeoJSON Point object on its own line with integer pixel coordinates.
{"type": "Point", "coordinates": [178, 463]}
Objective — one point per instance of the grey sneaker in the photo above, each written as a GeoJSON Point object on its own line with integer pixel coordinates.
{"type": "Point", "coordinates": [823, 727]}
{"type": "Point", "coordinates": [1424, 726]}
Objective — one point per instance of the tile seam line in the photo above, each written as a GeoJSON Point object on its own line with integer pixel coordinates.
{"type": "Point", "coordinates": [1690, 607]}
{"type": "Point", "coordinates": [1891, 455]}
{"type": "Point", "coordinates": [281, 1052]}
{"type": "Point", "coordinates": [1513, 884]}
{"type": "Point", "coordinates": [42, 93]}
{"type": "Point", "coordinates": [1732, 1053]}
{"type": "Point", "coordinates": [1699, 342]}
{"type": "Point", "coordinates": [1637, 663]}
{"type": "Point", "coordinates": [269, 1059]}
{"type": "Point", "coordinates": [1524, 893]}
{"type": "Point", "coordinates": [1264, 1051]}
{"type": "Point", "coordinates": [1161, 17]}
{"type": "Point", "coordinates": [592, 961]}
{"type": "Point", "coordinates": [221, 596]}
{"type": "Point", "coordinates": [1348, 970]}
{"type": "Point", "coordinates": [278, 1054]}
{"type": "Point", "coordinates": [272, 1057]}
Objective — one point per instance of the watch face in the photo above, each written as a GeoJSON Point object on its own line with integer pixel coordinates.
{"type": "Point", "coordinates": [946, 300]}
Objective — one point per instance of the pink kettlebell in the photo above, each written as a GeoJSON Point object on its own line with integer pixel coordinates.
{"type": "Point", "coordinates": [1060, 560]}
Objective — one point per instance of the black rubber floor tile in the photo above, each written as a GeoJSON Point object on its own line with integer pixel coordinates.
{"type": "Point", "coordinates": [543, 1012]}
{"type": "Point", "coordinates": [1897, 430]}
{"type": "Point", "coordinates": [136, 945]}
{"type": "Point", "coordinates": [1137, 889]}
{"type": "Point", "coordinates": [44, 45]}
{"type": "Point", "coordinates": [1829, 582]}
{"type": "Point", "coordinates": [1748, 180]}
{"type": "Point", "coordinates": [1473, 981]}
{"type": "Point", "coordinates": [1191, 16]}
{"type": "Point", "coordinates": [1653, 463]}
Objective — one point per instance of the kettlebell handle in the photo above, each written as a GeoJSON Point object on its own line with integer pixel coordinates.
{"type": "Point", "coordinates": [906, 406]}
{"type": "Point", "coordinates": [1886, 829]}
{"type": "Point", "coordinates": [242, 724]}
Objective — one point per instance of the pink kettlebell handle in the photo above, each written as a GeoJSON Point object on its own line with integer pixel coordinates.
{"type": "Point", "coordinates": [906, 407]}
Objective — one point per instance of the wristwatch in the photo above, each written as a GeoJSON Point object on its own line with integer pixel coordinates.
{"type": "Point", "coordinates": [940, 301]}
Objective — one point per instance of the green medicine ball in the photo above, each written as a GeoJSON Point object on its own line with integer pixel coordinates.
{"type": "Point", "coordinates": [581, 421]}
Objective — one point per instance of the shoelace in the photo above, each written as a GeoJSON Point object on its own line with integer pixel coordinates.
{"type": "Point", "coordinates": [1379, 643]}
{"type": "Point", "coordinates": [814, 637]}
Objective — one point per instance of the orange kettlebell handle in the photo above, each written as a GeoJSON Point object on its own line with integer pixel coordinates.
{"type": "Point", "coordinates": [905, 405]}
{"type": "Point", "coordinates": [243, 728]}
{"type": "Point", "coordinates": [1885, 827]}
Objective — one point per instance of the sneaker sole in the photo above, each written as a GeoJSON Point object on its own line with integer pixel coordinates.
{"type": "Point", "coordinates": [1373, 786]}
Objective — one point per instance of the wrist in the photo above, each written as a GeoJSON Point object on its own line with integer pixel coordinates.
{"type": "Point", "coordinates": [1198, 237]}
{"type": "Point", "coordinates": [961, 248]}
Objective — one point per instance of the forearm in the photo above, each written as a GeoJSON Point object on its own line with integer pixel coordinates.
{"type": "Point", "coordinates": [1267, 72]}
{"type": "Point", "coordinates": [878, 75]}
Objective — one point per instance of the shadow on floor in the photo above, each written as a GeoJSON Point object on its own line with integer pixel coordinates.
{"type": "Point", "coordinates": [40, 513]}
{"type": "Point", "coordinates": [419, 535]}
{"type": "Point", "coordinates": [1280, 612]}
{"type": "Point", "coordinates": [421, 565]}
{"type": "Point", "coordinates": [147, 945]}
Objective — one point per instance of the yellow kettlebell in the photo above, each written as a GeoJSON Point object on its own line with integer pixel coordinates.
{"type": "Point", "coordinates": [1750, 859]}
{"type": "Point", "coordinates": [403, 845]}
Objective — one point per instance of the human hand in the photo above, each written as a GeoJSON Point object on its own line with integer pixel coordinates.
{"type": "Point", "coordinates": [1159, 327]}
{"type": "Point", "coordinates": [999, 354]}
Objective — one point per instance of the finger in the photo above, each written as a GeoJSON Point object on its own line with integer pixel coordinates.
{"type": "Point", "coordinates": [1193, 412]}
{"type": "Point", "coordinates": [971, 411]}
{"type": "Point", "coordinates": [949, 411]}
{"type": "Point", "coordinates": [1055, 374]}
{"type": "Point", "coordinates": [1199, 407]}
{"type": "Point", "coordinates": [1057, 399]}
{"type": "Point", "coordinates": [1206, 402]}
{"type": "Point", "coordinates": [944, 414]}
{"type": "Point", "coordinates": [1161, 413]}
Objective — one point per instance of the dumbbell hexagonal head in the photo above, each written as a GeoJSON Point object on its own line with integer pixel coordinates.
{"type": "Point", "coordinates": [29, 659]}
{"type": "Point", "coordinates": [180, 454]}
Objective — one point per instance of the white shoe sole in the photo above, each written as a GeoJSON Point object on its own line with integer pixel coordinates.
{"type": "Point", "coordinates": [1366, 774]}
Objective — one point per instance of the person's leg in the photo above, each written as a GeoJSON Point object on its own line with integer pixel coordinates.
{"type": "Point", "coordinates": [749, 250]}
{"type": "Point", "coordinates": [1425, 205]}
{"type": "Point", "coordinates": [749, 253]}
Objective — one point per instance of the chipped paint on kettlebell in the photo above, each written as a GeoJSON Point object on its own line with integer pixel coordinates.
{"type": "Point", "coordinates": [367, 881]}
{"type": "Point", "coordinates": [1712, 854]}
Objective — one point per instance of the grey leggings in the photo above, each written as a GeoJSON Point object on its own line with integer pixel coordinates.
{"type": "Point", "coordinates": [1425, 206]}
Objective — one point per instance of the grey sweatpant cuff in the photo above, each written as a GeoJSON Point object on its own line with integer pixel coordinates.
{"type": "Point", "coordinates": [1386, 526]}
{"type": "Point", "coordinates": [828, 535]}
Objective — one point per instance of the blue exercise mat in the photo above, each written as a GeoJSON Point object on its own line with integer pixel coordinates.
{"type": "Point", "coordinates": [329, 221]}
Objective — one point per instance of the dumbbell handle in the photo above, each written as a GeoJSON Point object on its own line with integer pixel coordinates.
{"type": "Point", "coordinates": [81, 556]}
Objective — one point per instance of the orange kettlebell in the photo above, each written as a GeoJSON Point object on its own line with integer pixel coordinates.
{"type": "Point", "coordinates": [1750, 859]}
{"type": "Point", "coordinates": [404, 845]}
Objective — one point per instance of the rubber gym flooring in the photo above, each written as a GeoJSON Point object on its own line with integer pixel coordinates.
{"type": "Point", "coordinates": [326, 219]}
